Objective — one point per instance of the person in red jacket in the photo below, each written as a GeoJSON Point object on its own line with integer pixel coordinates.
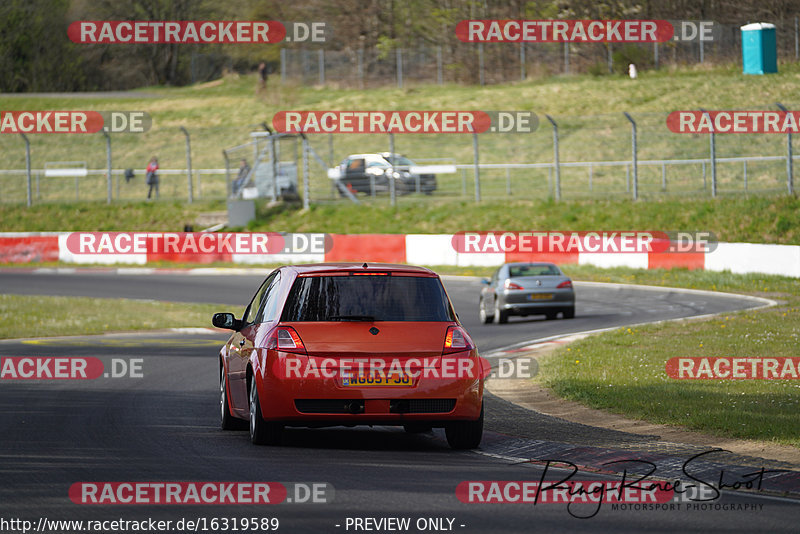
{"type": "Point", "coordinates": [152, 176]}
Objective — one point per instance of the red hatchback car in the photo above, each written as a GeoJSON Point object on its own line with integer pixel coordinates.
{"type": "Point", "coordinates": [351, 344]}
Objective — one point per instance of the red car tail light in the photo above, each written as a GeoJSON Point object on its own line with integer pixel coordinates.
{"type": "Point", "coordinates": [286, 339]}
{"type": "Point", "coordinates": [457, 340]}
{"type": "Point", "coordinates": [564, 285]}
{"type": "Point", "coordinates": [511, 285]}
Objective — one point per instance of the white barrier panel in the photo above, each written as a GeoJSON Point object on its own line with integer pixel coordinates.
{"type": "Point", "coordinates": [635, 260]}
{"type": "Point", "coordinates": [65, 173]}
{"type": "Point", "coordinates": [755, 258]}
{"type": "Point", "coordinates": [434, 249]}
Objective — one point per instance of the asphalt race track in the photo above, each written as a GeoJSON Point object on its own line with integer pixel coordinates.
{"type": "Point", "coordinates": [163, 428]}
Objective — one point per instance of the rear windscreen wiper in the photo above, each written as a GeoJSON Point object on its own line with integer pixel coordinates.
{"type": "Point", "coordinates": [352, 318]}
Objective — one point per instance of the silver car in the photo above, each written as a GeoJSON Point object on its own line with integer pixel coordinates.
{"type": "Point", "coordinates": [527, 289]}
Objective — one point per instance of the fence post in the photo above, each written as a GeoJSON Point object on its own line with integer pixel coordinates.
{"type": "Point", "coordinates": [283, 65]}
{"type": "Point", "coordinates": [610, 60]}
{"type": "Point", "coordinates": [635, 157]}
{"type": "Point", "coordinates": [28, 167]}
{"type": "Point", "coordinates": [477, 167]}
{"type": "Point", "coordinates": [273, 162]}
{"type": "Point", "coordinates": [360, 55]}
{"type": "Point", "coordinates": [108, 164]}
{"type": "Point", "coordinates": [330, 163]}
{"type": "Point", "coordinates": [556, 161]}
{"type": "Point", "coordinates": [789, 162]}
{"type": "Point", "coordinates": [399, 55]}
{"type": "Point", "coordinates": [321, 66]}
{"type": "Point", "coordinates": [745, 176]}
{"type": "Point", "coordinates": [392, 189]}
{"type": "Point", "coordinates": [522, 73]}
{"type": "Point", "coordinates": [330, 150]}
{"type": "Point", "coordinates": [713, 153]}
{"type": "Point", "coordinates": [306, 185]}
{"type": "Point", "coordinates": [655, 55]}
{"type": "Point", "coordinates": [481, 74]}
{"type": "Point", "coordinates": [439, 73]}
{"type": "Point", "coordinates": [566, 58]}
{"type": "Point", "coordinates": [188, 162]}
{"type": "Point", "coordinates": [228, 173]}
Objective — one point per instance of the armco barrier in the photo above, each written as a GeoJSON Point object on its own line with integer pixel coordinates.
{"type": "Point", "coordinates": [423, 249]}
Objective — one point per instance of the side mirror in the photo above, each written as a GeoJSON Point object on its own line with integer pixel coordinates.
{"type": "Point", "coordinates": [226, 320]}
{"type": "Point", "coordinates": [486, 282]}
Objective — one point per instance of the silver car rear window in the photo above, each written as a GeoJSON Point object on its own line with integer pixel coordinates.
{"type": "Point", "coordinates": [533, 270]}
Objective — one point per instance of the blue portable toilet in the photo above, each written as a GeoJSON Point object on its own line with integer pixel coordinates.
{"type": "Point", "coordinates": [759, 48]}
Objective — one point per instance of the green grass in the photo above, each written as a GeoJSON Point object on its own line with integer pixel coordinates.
{"type": "Point", "coordinates": [163, 216]}
{"type": "Point", "coordinates": [751, 219]}
{"type": "Point", "coordinates": [622, 371]}
{"type": "Point", "coordinates": [28, 316]}
{"type": "Point", "coordinates": [744, 219]}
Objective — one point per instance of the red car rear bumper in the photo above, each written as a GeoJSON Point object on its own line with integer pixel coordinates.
{"type": "Point", "coordinates": [435, 398]}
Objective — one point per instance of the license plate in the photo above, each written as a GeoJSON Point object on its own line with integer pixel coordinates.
{"type": "Point", "coordinates": [377, 380]}
{"type": "Point", "coordinates": [541, 296]}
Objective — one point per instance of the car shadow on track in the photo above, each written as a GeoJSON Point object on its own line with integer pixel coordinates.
{"type": "Point", "coordinates": [363, 438]}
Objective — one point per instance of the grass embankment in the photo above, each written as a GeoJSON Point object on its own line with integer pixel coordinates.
{"type": "Point", "coordinates": [28, 316]}
{"type": "Point", "coordinates": [742, 219]}
{"type": "Point", "coordinates": [101, 217]}
{"type": "Point", "coordinates": [221, 114]}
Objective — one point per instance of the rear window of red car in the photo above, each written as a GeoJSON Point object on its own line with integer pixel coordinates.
{"type": "Point", "coordinates": [379, 298]}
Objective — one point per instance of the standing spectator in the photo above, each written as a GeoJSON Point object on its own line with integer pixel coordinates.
{"type": "Point", "coordinates": [152, 176]}
{"type": "Point", "coordinates": [262, 76]}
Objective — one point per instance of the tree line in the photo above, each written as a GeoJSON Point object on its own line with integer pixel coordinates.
{"type": "Point", "coordinates": [36, 55]}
